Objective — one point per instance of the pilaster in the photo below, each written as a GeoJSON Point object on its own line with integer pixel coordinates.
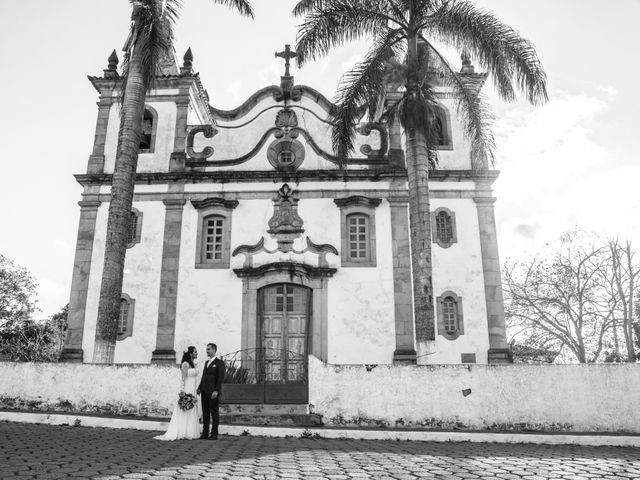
{"type": "Point", "coordinates": [96, 160]}
{"type": "Point", "coordinates": [165, 336]}
{"type": "Point", "coordinates": [402, 289]}
{"type": "Point", "coordinates": [72, 351]}
{"type": "Point", "coordinates": [178, 157]}
{"type": "Point", "coordinates": [498, 350]}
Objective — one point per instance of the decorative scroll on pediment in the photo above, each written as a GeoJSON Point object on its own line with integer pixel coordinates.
{"type": "Point", "coordinates": [249, 251]}
{"type": "Point", "coordinates": [365, 129]}
{"type": "Point", "coordinates": [208, 131]}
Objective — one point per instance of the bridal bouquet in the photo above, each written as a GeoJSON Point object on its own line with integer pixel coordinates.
{"type": "Point", "coordinates": [186, 401]}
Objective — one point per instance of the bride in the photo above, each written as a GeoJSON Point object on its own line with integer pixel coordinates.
{"type": "Point", "coordinates": [184, 423]}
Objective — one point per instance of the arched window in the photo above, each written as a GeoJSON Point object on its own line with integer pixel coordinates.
{"type": "Point", "coordinates": [450, 319]}
{"type": "Point", "coordinates": [359, 232]}
{"type": "Point", "coordinates": [439, 133]}
{"type": "Point", "coordinates": [450, 315]}
{"type": "Point", "coordinates": [125, 318]}
{"type": "Point", "coordinates": [213, 238]}
{"type": "Point", "coordinates": [135, 227]}
{"type": "Point", "coordinates": [443, 223]}
{"type": "Point", "coordinates": [148, 135]}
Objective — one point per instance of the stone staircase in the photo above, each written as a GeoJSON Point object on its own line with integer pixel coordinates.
{"type": "Point", "coordinates": [269, 415]}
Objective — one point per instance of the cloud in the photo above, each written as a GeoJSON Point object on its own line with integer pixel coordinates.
{"type": "Point", "coordinates": [555, 175]}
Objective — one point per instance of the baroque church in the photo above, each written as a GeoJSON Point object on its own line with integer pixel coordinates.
{"type": "Point", "coordinates": [244, 232]}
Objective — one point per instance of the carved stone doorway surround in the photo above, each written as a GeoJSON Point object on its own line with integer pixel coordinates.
{"type": "Point", "coordinates": [253, 279]}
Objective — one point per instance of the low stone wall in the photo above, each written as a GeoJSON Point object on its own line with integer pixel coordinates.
{"type": "Point", "coordinates": [589, 398]}
{"type": "Point", "coordinates": [143, 390]}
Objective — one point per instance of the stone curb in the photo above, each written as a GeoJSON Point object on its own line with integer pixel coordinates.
{"type": "Point", "coordinates": [336, 433]}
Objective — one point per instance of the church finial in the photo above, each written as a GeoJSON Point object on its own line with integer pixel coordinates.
{"type": "Point", "coordinates": [112, 68]}
{"type": "Point", "coordinates": [467, 67]}
{"type": "Point", "coordinates": [287, 54]}
{"type": "Point", "coordinates": [286, 80]}
{"type": "Point", "coordinates": [187, 63]}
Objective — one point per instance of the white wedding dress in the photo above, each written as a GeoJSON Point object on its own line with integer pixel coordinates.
{"type": "Point", "coordinates": [184, 424]}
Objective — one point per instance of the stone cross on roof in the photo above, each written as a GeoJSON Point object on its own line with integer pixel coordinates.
{"type": "Point", "coordinates": [286, 54]}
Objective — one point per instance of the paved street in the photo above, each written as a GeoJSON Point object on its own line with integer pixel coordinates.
{"type": "Point", "coordinates": [48, 452]}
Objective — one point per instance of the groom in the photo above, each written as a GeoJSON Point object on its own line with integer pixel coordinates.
{"type": "Point", "coordinates": [210, 389]}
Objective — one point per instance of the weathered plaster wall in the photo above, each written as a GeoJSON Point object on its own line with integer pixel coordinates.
{"type": "Point", "coordinates": [458, 268]}
{"type": "Point", "coordinates": [526, 397]}
{"type": "Point", "coordinates": [158, 161]}
{"type": "Point", "coordinates": [126, 389]}
{"type": "Point", "coordinates": [141, 282]}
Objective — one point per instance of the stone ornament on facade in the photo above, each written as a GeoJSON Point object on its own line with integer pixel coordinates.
{"type": "Point", "coordinates": [285, 225]}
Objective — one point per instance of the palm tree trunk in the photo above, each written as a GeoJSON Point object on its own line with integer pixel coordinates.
{"type": "Point", "coordinates": [119, 211]}
{"type": "Point", "coordinates": [420, 226]}
{"type": "Point", "coordinates": [419, 202]}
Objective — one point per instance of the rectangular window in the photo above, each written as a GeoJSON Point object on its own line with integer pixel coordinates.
{"type": "Point", "coordinates": [358, 236]}
{"type": "Point", "coordinates": [213, 241]}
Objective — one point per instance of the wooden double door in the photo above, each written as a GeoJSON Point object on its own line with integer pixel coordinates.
{"type": "Point", "coordinates": [284, 314]}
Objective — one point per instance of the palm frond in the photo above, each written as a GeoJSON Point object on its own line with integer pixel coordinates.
{"type": "Point", "coordinates": [242, 6]}
{"type": "Point", "coordinates": [472, 109]}
{"type": "Point", "coordinates": [335, 22]}
{"type": "Point", "coordinates": [361, 87]}
{"type": "Point", "coordinates": [305, 6]}
{"type": "Point", "coordinates": [497, 47]}
{"type": "Point", "coordinates": [151, 34]}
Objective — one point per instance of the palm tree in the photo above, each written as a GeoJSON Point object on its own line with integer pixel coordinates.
{"type": "Point", "coordinates": [407, 30]}
{"type": "Point", "coordinates": [150, 40]}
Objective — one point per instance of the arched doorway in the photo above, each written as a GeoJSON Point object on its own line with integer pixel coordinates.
{"type": "Point", "coordinates": [284, 316]}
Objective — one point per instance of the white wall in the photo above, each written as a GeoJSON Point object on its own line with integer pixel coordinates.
{"type": "Point", "coordinates": [458, 268]}
{"type": "Point", "coordinates": [590, 398]}
{"type": "Point", "coordinates": [141, 282]}
{"type": "Point", "coordinates": [600, 397]}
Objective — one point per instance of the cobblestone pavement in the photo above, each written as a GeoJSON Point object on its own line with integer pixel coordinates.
{"type": "Point", "coordinates": [47, 452]}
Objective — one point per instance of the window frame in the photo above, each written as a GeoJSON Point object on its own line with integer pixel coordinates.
{"type": "Point", "coordinates": [459, 314]}
{"type": "Point", "coordinates": [434, 227]}
{"type": "Point", "coordinates": [358, 205]}
{"type": "Point", "coordinates": [130, 317]}
{"type": "Point", "coordinates": [154, 129]}
{"type": "Point", "coordinates": [138, 238]}
{"type": "Point", "coordinates": [214, 207]}
{"type": "Point", "coordinates": [444, 116]}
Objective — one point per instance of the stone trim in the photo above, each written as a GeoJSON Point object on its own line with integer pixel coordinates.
{"type": "Point", "coordinates": [130, 317]}
{"type": "Point", "coordinates": [318, 321]}
{"type": "Point", "coordinates": [154, 129]}
{"type": "Point", "coordinates": [357, 205]}
{"type": "Point", "coordinates": [216, 202]}
{"type": "Point", "coordinates": [498, 349]}
{"type": "Point", "coordinates": [460, 320]}
{"type": "Point", "coordinates": [252, 176]}
{"type": "Point", "coordinates": [402, 288]}
{"type": "Point", "coordinates": [138, 237]}
{"type": "Point", "coordinates": [214, 207]}
{"type": "Point", "coordinates": [292, 269]}
{"type": "Point", "coordinates": [454, 230]}
{"type": "Point", "coordinates": [72, 351]}
{"type": "Point", "coordinates": [168, 295]}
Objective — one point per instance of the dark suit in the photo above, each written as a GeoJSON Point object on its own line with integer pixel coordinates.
{"type": "Point", "coordinates": [212, 377]}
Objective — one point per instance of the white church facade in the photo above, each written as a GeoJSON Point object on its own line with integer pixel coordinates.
{"type": "Point", "coordinates": [246, 233]}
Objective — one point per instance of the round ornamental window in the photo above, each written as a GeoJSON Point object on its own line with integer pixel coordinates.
{"type": "Point", "coordinates": [285, 154]}
{"type": "Point", "coordinates": [286, 157]}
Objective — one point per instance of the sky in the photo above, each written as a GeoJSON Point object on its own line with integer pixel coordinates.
{"type": "Point", "coordinates": [572, 162]}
